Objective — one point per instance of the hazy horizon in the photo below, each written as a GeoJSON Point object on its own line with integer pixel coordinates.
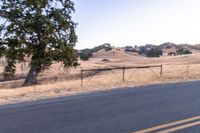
{"type": "Point", "coordinates": [136, 22]}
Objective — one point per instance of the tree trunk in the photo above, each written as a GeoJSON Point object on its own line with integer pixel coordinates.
{"type": "Point", "coordinates": [31, 78]}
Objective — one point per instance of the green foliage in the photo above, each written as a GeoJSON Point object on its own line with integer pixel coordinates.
{"type": "Point", "coordinates": [150, 50]}
{"type": "Point", "coordinates": [41, 29]}
{"type": "Point", "coordinates": [143, 50]}
{"type": "Point", "coordinates": [172, 53]}
{"type": "Point", "coordinates": [154, 52]}
{"type": "Point", "coordinates": [182, 51]}
{"type": "Point", "coordinates": [85, 54]}
{"type": "Point", "coordinates": [105, 46]}
{"type": "Point", "coordinates": [130, 49]}
{"type": "Point", "coordinates": [108, 48]}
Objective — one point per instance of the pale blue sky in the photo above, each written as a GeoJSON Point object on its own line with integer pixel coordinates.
{"type": "Point", "coordinates": [136, 22]}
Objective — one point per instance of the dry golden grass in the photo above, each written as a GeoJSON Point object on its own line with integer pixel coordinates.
{"type": "Point", "coordinates": [58, 81]}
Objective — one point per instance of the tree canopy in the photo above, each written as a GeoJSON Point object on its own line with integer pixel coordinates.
{"type": "Point", "coordinates": [40, 29]}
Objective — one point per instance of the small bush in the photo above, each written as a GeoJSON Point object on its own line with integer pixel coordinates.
{"type": "Point", "coordinates": [106, 60]}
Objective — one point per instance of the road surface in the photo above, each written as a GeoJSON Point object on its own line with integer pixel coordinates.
{"type": "Point", "coordinates": [154, 108]}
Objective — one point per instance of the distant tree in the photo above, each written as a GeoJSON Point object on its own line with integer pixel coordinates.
{"type": "Point", "coordinates": [85, 54]}
{"type": "Point", "coordinates": [183, 51]}
{"type": "Point", "coordinates": [171, 53]}
{"type": "Point", "coordinates": [108, 48]}
{"type": "Point", "coordinates": [142, 50]}
{"type": "Point", "coordinates": [154, 52]}
{"type": "Point", "coordinates": [40, 29]}
{"type": "Point", "coordinates": [130, 49]}
{"type": "Point", "coordinates": [168, 47]}
{"type": "Point", "coordinates": [103, 46]}
{"type": "Point", "coordinates": [149, 45]}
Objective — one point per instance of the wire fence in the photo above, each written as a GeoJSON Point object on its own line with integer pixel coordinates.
{"type": "Point", "coordinates": [115, 71]}
{"type": "Point", "coordinates": [105, 76]}
{"type": "Point", "coordinates": [140, 74]}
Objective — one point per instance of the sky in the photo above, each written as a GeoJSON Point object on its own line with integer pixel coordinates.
{"type": "Point", "coordinates": [136, 22]}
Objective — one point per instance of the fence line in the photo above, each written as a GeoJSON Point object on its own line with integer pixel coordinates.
{"type": "Point", "coordinates": [120, 68]}
{"type": "Point", "coordinates": [122, 74]}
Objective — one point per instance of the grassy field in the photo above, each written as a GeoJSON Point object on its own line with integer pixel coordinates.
{"type": "Point", "coordinates": [58, 81]}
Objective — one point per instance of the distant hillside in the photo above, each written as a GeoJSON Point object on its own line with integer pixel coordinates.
{"type": "Point", "coordinates": [148, 50]}
{"type": "Point", "coordinates": [167, 49]}
{"type": "Point", "coordinates": [85, 54]}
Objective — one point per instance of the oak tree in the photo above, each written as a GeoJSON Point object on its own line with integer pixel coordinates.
{"type": "Point", "coordinates": [40, 29]}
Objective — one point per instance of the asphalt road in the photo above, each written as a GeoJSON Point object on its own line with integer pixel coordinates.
{"type": "Point", "coordinates": [120, 111]}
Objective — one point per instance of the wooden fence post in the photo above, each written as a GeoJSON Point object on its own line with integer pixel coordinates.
{"type": "Point", "coordinates": [187, 70]}
{"type": "Point", "coordinates": [161, 70]}
{"type": "Point", "coordinates": [81, 77]}
{"type": "Point", "coordinates": [123, 76]}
